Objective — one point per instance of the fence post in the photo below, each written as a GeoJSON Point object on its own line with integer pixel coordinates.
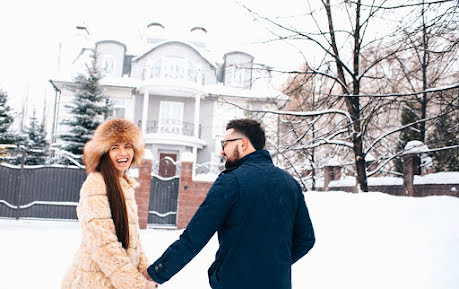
{"type": "Point", "coordinates": [20, 181]}
{"type": "Point", "coordinates": [185, 195]}
{"type": "Point", "coordinates": [410, 168]}
{"type": "Point", "coordinates": [331, 173]}
{"type": "Point", "coordinates": [142, 192]}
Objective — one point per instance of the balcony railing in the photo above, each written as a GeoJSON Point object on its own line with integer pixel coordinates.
{"type": "Point", "coordinates": [171, 126]}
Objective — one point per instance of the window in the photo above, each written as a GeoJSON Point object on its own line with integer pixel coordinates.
{"type": "Point", "coordinates": [170, 117]}
{"type": "Point", "coordinates": [107, 62]}
{"type": "Point", "coordinates": [155, 69]}
{"type": "Point", "coordinates": [237, 76]}
{"type": "Point", "coordinates": [118, 107]}
{"type": "Point", "coordinates": [174, 68]}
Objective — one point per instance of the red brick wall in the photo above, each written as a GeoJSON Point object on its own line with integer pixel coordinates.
{"type": "Point", "coordinates": [191, 195]}
{"type": "Point", "coordinates": [142, 193]}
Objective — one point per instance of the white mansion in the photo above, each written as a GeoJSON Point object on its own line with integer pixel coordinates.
{"type": "Point", "coordinates": [180, 95]}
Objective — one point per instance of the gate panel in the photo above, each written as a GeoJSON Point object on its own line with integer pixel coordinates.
{"type": "Point", "coordinates": [51, 192]}
{"type": "Point", "coordinates": [45, 192]}
{"type": "Point", "coordinates": [163, 201]}
{"type": "Point", "coordinates": [9, 180]}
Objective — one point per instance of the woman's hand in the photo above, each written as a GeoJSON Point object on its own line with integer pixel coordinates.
{"type": "Point", "coordinates": [151, 285]}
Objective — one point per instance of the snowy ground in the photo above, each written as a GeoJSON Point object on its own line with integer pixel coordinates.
{"type": "Point", "coordinates": [363, 241]}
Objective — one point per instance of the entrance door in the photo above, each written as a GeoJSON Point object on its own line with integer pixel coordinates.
{"type": "Point", "coordinates": [167, 168]}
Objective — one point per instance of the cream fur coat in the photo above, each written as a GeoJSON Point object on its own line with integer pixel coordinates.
{"type": "Point", "coordinates": [101, 261]}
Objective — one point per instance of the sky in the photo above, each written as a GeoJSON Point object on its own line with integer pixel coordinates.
{"type": "Point", "coordinates": [32, 31]}
{"type": "Point", "coordinates": [366, 240]}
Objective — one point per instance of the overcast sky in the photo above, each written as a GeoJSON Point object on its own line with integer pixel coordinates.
{"type": "Point", "coordinates": [31, 31]}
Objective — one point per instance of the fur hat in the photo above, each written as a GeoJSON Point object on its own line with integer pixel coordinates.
{"type": "Point", "coordinates": [109, 133]}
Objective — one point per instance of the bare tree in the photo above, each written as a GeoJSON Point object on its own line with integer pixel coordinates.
{"type": "Point", "coordinates": [355, 59]}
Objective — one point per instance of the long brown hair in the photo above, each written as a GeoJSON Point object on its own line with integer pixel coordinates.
{"type": "Point", "coordinates": [115, 198]}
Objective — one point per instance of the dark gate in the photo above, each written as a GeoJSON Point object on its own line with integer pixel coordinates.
{"type": "Point", "coordinates": [163, 201]}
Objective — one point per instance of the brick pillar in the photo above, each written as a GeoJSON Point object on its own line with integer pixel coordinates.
{"type": "Point", "coordinates": [185, 195]}
{"type": "Point", "coordinates": [142, 192]}
{"type": "Point", "coordinates": [331, 173]}
{"type": "Point", "coordinates": [410, 168]}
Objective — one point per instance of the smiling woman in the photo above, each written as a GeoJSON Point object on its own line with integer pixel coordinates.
{"type": "Point", "coordinates": [110, 254]}
{"type": "Point", "coordinates": [121, 154]}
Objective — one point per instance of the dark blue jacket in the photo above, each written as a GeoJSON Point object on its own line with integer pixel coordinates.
{"type": "Point", "coordinates": [263, 228]}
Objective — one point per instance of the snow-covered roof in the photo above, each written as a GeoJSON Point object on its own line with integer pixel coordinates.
{"type": "Point", "coordinates": [121, 82]}
{"type": "Point", "coordinates": [154, 46]}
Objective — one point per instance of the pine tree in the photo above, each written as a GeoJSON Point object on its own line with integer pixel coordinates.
{"type": "Point", "coordinates": [35, 142]}
{"type": "Point", "coordinates": [445, 133]}
{"type": "Point", "coordinates": [6, 136]}
{"type": "Point", "coordinates": [408, 115]}
{"type": "Point", "coordinates": [88, 110]}
{"type": "Point", "coordinates": [6, 120]}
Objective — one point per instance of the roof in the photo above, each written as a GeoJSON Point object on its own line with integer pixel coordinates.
{"type": "Point", "coordinates": [165, 42]}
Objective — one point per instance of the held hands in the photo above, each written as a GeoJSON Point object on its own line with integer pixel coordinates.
{"type": "Point", "coordinates": [150, 284]}
{"type": "Point", "coordinates": [147, 276]}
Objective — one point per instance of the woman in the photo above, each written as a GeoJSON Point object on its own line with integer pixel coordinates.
{"type": "Point", "coordinates": [110, 254]}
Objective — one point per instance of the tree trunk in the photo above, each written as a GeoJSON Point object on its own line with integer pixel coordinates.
{"type": "Point", "coordinates": [352, 103]}
{"type": "Point", "coordinates": [424, 64]}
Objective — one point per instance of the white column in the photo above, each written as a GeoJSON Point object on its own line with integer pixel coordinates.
{"type": "Point", "coordinates": [146, 99]}
{"type": "Point", "coordinates": [197, 106]}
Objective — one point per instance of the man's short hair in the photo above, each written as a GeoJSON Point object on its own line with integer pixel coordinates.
{"type": "Point", "coordinates": [251, 129]}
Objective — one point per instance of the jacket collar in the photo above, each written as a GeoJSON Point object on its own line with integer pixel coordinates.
{"type": "Point", "coordinates": [259, 156]}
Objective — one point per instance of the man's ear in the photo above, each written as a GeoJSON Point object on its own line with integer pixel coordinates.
{"type": "Point", "coordinates": [245, 144]}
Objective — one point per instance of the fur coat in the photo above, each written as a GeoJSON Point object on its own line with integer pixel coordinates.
{"type": "Point", "coordinates": [101, 261]}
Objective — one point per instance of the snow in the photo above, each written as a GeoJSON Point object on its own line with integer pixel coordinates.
{"type": "Point", "coordinates": [414, 147]}
{"type": "Point", "coordinates": [347, 181]}
{"type": "Point", "coordinates": [187, 157]}
{"type": "Point", "coordinates": [364, 241]}
{"type": "Point", "coordinates": [333, 162]}
{"type": "Point", "coordinates": [207, 177]}
{"type": "Point", "coordinates": [437, 178]}
{"type": "Point", "coordinates": [432, 179]}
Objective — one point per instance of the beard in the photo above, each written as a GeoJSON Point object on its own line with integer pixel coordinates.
{"type": "Point", "coordinates": [232, 163]}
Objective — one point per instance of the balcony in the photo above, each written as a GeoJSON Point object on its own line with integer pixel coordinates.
{"type": "Point", "coordinates": [171, 126]}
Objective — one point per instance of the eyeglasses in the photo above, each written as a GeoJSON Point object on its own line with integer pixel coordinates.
{"type": "Point", "coordinates": [228, 140]}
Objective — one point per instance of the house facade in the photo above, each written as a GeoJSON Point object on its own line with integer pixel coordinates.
{"type": "Point", "coordinates": [177, 91]}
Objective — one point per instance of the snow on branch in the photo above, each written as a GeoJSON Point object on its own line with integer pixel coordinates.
{"type": "Point", "coordinates": [297, 113]}
{"type": "Point", "coordinates": [430, 90]}
{"type": "Point", "coordinates": [69, 155]}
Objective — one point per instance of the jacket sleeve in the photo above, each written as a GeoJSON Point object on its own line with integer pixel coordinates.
{"type": "Point", "coordinates": [104, 247]}
{"type": "Point", "coordinates": [303, 232]}
{"type": "Point", "coordinates": [206, 221]}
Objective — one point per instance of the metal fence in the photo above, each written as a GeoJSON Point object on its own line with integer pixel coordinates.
{"type": "Point", "coordinates": [40, 191]}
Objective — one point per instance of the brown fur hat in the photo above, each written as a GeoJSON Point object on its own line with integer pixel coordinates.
{"type": "Point", "coordinates": [109, 133]}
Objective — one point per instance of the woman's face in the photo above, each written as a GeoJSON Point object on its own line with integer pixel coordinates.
{"type": "Point", "coordinates": [121, 154]}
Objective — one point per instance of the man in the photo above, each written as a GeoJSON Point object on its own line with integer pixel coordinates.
{"type": "Point", "coordinates": [259, 213]}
